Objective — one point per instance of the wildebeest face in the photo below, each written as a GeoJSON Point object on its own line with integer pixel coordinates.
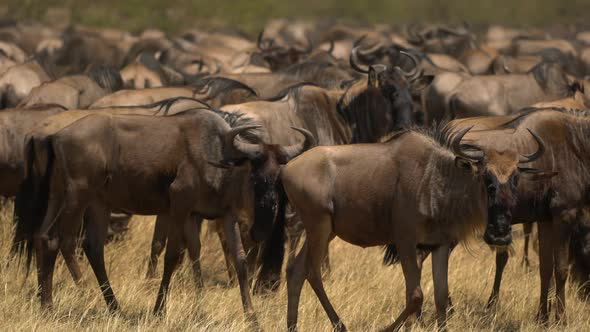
{"type": "Point", "coordinates": [393, 84]}
{"type": "Point", "coordinates": [394, 88]}
{"type": "Point", "coordinates": [264, 179]}
{"type": "Point", "coordinates": [500, 178]}
{"type": "Point", "coordinates": [500, 173]}
{"type": "Point", "coordinates": [265, 161]}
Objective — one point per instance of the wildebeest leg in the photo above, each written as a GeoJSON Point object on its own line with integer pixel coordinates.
{"type": "Point", "coordinates": [414, 296]}
{"type": "Point", "coordinates": [293, 239]}
{"type": "Point", "coordinates": [527, 229]}
{"type": "Point", "coordinates": [317, 241]}
{"type": "Point", "coordinates": [96, 236]}
{"type": "Point", "coordinates": [295, 278]}
{"type": "Point", "coordinates": [158, 245]}
{"type": "Point", "coordinates": [46, 246]}
{"type": "Point", "coordinates": [192, 237]}
{"type": "Point", "coordinates": [173, 256]}
{"type": "Point", "coordinates": [440, 273]}
{"type": "Point", "coordinates": [501, 260]}
{"type": "Point", "coordinates": [231, 229]}
{"type": "Point", "coordinates": [68, 251]}
{"type": "Point", "coordinates": [421, 254]}
{"type": "Point", "coordinates": [232, 279]}
{"type": "Point", "coordinates": [545, 267]}
{"type": "Point", "coordinates": [561, 245]}
{"type": "Point", "coordinates": [45, 267]}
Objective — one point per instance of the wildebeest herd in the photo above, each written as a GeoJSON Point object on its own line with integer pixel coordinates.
{"type": "Point", "coordinates": [415, 138]}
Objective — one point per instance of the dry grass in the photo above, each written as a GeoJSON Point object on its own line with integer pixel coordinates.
{"type": "Point", "coordinates": [366, 294]}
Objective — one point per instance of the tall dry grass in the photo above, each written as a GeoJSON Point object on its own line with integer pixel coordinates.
{"type": "Point", "coordinates": [366, 295]}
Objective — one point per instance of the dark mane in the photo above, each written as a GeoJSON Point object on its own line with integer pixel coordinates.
{"type": "Point", "coordinates": [219, 85]}
{"type": "Point", "coordinates": [293, 89]}
{"type": "Point", "coordinates": [106, 77]}
{"type": "Point", "coordinates": [237, 120]}
{"type": "Point", "coordinates": [442, 134]}
{"type": "Point", "coordinates": [163, 104]}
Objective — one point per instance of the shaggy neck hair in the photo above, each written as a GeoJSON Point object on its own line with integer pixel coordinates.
{"type": "Point", "coordinates": [453, 197]}
{"type": "Point", "coordinates": [106, 77]}
{"type": "Point", "coordinates": [366, 112]}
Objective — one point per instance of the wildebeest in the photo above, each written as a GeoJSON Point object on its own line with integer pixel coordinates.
{"type": "Point", "coordinates": [51, 119]}
{"type": "Point", "coordinates": [216, 91]}
{"type": "Point", "coordinates": [188, 166]}
{"type": "Point", "coordinates": [503, 94]}
{"type": "Point", "coordinates": [18, 81]}
{"type": "Point", "coordinates": [416, 189]}
{"type": "Point", "coordinates": [362, 113]}
{"type": "Point", "coordinates": [76, 91]}
{"type": "Point", "coordinates": [558, 206]}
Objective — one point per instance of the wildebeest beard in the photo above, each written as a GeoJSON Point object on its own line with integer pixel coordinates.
{"type": "Point", "coordinates": [264, 178]}
{"type": "Point", "coordinates": [269, 215]}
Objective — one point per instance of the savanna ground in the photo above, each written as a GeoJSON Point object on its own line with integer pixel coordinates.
{"type": "Point", "coordinates": [366, 294]}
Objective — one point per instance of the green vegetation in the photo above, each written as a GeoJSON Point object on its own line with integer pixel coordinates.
{"type": "Point", "coordinates": [251, 15]}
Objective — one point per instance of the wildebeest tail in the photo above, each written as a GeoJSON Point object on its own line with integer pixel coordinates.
{"type": "Point", "coordinates": [390, 255]}
{"type": "Point", "coordinates": [32, 199]}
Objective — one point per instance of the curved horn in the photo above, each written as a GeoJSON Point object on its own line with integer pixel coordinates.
{"type": "Point", "coordinates": [243, 149]}
{"type": "Point", "coordinates": [331, 48]}
{"type": "Point", "coordinates": [309, 46]}
{"type": "Point", "coordinates": [357, 42]}
{"type": "Point", "coordinates": [505, 66]}
{"type": "Point", "coordinates": [371, 50]}
{"type": "Point", "coordinates": [412, 75]}
{"type": "Point", "coordinates": [459, 149]}
{"type": "Point", "coordinates": [297, 149]}
{"type": "Point", "coordinates": [536, 155]}
{"type": "Point", "coordinates": [352, 60]}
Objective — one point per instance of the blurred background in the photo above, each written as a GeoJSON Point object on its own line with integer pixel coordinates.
{"type": "Point", "coordinates": [172, 15]}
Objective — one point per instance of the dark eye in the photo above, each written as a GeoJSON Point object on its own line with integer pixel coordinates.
{"type": "Point", "coordinates": [490, 186]}
{"type": "Point", "coordinates": [491, 189]}
{"type": "Point", "coordinates": [514, 181]}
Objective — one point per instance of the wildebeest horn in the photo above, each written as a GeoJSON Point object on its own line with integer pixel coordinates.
{"type": "Point", "coordinates": [331, 48]}
{"type": "Point", "coordinates": [247, 149]}
{"type": "Point", "coordinates": [415, 72]}
{"type": "Point", "coordinates": [353, 64]}
{"type": "Point", "coordinates": [369, 51]}
{"type": "Point", "coordinates": [297, 149]}
{"type": "Point", "coordinates": [309, 46]}
{"type": "Point", "coordinates": [358, 41]}
{"type": "Point", "coordinates": [460, 149]}
{"type": "Point", "coordinates": [536, 155]}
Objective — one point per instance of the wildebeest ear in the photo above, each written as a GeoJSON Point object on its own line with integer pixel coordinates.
{"type": "Point", "coordinates": [535, 175]}
{"type": "Point", "coordinates": [373, 80]}
{"type": "Point", "coordinates": [466, 164]}
{"type": "Point", "coordinates": [422, 82]}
